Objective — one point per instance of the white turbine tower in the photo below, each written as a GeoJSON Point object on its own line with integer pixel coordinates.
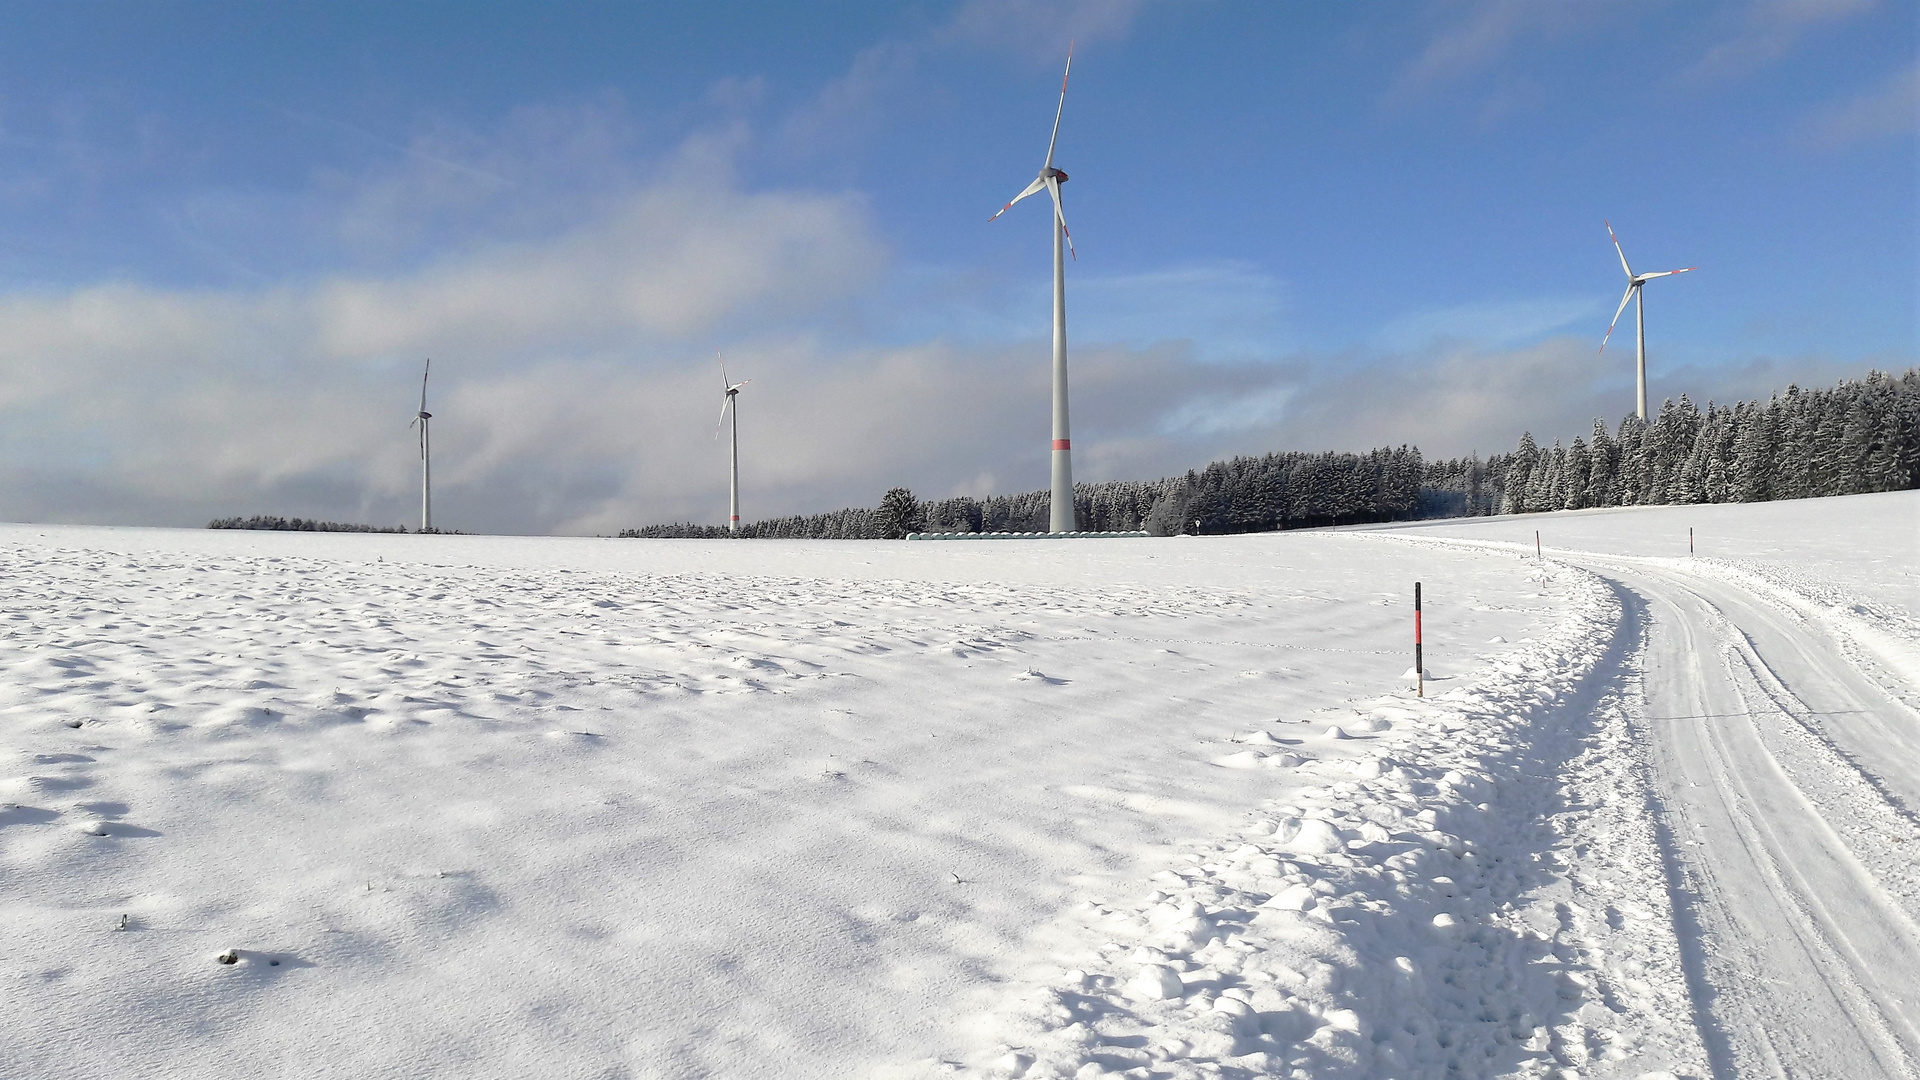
{"type": "Point", "coordinates": [1634, 282]}
{"type": "Point", "coordinates": [423, 418]}
{"type": "Point", "coordinates": [732, 391]}
{"type": "Point", "coordinates": [1060, 519]}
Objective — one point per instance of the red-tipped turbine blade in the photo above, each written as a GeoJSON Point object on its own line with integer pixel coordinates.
{"type": "Point", "coordinates": [1616, 317]}
{"type": "Point", "coordinates": [1062, 107]}
{"type": "Point", "coordinates": [1616, 247]}
{"type": "Point", "coordinates": [1033, 188]}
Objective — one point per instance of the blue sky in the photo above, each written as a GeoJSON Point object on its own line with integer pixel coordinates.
{"type": "Point", "coordinates": [234, 230]}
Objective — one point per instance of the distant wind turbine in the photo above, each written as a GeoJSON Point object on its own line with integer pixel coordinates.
{"type": "Point", "coordinates": [423, 418]}
{"type": "Point", "coordinates": [1060, 519]}
{"type": "Point", "coordinates": [732, 391]}
{"type": "Point", "coordinates": [1634, 282]}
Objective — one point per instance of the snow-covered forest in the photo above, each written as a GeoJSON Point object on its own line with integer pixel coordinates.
{"type": "Point", "coordinates": [272, 523]}
{"type": "Point", "coordinates": [1854, 438]}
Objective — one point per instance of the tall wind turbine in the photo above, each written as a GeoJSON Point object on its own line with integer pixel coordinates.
{"type": "Point", "coordinates": [423, 418]}
{"type": "Point", "coordinates": [1634, 282]}
{"type": "Point", "coordinates": [732, 391]}
{"type": "Point", "coordinates": [1060, 519]}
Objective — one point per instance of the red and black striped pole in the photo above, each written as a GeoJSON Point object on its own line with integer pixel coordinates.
{"type": "Point", "coordinates": [1419, 668]}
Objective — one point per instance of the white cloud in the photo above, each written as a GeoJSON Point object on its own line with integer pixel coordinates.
{"type": "Point", "coordinates": [1227, 310]}
{"type": "Point", "coordinates": [1482, 35]}
{"type": "Point", "coordinates": [1224, 310]}
{"type": "Point", "coordinates": [1890, 109]}
{"type": "Point", "coordinates": [1768, 31]}
{"type": "Point", "coordinates": [1491, 324]}
{"type": "Point", "coordinates": [1039, 30]}
{"type": "Point", "coordinates": [881, 76]}
{"type": "Point", "coordinates": [551, 354]}
{"type": "Point", "coordinates": [131, 405]}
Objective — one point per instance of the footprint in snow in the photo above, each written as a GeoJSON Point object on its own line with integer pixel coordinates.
{"type": "Point", "coordinates": [262, 961]}
{"type": "Point", "coordinates": [112, 828]}
{"type": "Point", "coordinates": [16, 814]}
{"type": "Point", "coordinates": [1032, 675]}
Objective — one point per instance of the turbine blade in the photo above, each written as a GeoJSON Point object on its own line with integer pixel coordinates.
{"type": "Point", "coordinates": [423, 384]}
{"type": "Point", "coordinates": [721, 360]}
{"type": "Point", "coordinates": [1667, 273]}
{"type": "Point", "coordinates": [1033, 188]}
{"type": "Point", "coordinates": [1616, 247]}
{"type": "Point", "coordinates": [723, 416]}
{"type": "Point", "coordinates": [1616, 316]}
{"type": "Point", "coordinates": [1060, 215]}
{"type": "Point", "coordinates": [1062, 106]}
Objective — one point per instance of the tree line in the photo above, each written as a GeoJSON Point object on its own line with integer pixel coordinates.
{"type": "Point", "coordinates": [280, 524]}
{"type": "Point", "coordinates": [1858, 436]}
{"type": "Point", "coordinates": [1245, 494]}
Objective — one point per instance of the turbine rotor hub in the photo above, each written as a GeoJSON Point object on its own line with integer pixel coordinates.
{"type": "Point", "coordinates": [1055, 173]}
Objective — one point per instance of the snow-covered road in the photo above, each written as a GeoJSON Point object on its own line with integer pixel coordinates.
{"type": "Point", "coordinates": [1777, 708]}
{"type": "Point", "coordinates": [1787, 777]}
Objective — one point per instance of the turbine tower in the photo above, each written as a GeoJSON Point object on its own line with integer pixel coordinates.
{"type": "Point", "coordinates": [1634, 282]}
{"type": "Point", "coordinates": [423, 418]}
{"type": "Point", "coordinates": [731, 391]}
{"type": "Point", "coordinates": [1060, 519]}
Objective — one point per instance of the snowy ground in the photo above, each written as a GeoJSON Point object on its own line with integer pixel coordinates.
{"type": "Point", "coordinates": [507, 807]}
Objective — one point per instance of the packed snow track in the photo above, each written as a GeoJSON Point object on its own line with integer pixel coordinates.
{"type": "Point", "coordinates": [1779, 709]}
{"type": "Point", "coordinates": [1787, 778]}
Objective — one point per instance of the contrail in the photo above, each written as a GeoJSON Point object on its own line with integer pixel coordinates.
{"type": "Point", "coordinates": [369, 136]}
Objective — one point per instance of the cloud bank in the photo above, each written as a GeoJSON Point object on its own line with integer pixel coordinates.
{"type": "Point", "coordinates": [575, 389]}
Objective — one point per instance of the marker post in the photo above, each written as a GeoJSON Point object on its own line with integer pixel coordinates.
{"type": "Point", "coordinates": [1689, 539]}
{"type": "Point", "coordinates": [1536, 547]}
{"type": "Point", "coordinates": [1419, 668]}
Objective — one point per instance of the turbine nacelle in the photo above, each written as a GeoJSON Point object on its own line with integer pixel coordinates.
{"type": "Point", "coordinates": [728, 391]}
{"type": "Point", "coordinates": [1634, 281]}
{"type": "Point", "coordinates": [1051, 178]}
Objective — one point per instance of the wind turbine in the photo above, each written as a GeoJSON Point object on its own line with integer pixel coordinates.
{"type": "Point", "coordinates": [1060, 519]}
{"type": "Point", "coordinates": [1634, 282]}
{"type": "Point", "coordinates": [732, 391]}
{"type": "Point", "coordinates": [423, 418]}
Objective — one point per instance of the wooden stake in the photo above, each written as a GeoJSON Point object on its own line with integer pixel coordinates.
{"type": "Point", "coordinates": [1689, 539]}
{"type": "Point", "coordinates": [1536, 546]}
{"type": "Point", "coordinates": [1419, 668]}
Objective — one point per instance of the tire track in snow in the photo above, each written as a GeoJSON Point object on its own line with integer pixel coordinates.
{"type": "Point", "coordinates": [1809, 963]}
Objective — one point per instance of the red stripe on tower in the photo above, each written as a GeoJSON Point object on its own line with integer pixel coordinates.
{"type": "Point", "coordinates": [1063, 444]}
{"type": "Point", "coordinates": [735, 517]}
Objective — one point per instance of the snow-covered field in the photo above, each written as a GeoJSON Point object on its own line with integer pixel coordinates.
{"type": "Point", "coordinates": [489, 806]}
